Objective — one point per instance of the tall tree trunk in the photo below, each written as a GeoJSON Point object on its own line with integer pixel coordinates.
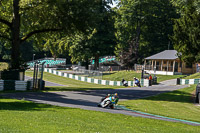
{"type": "Point", "coordinates": [15, 51]}
{"type": "Point", "coordinates": [54, 57]}
{"type": "Point", "coordinates": [86, 63]}
{"type": "Point", "coordinates": [137, 42]}
{"type": "Point", "coordinates": [96, 63]}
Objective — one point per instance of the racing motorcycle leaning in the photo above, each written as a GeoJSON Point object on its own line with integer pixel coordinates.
{"type": "Point", "coordinates": [109, 101]}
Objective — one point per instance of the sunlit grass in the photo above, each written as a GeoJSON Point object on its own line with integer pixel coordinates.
{"type": "Point", "coordinates": [193, 76]}
{"type": "Point", "coordinates": [129, 75]}
{"type": "Point", "coordinates": [71, 84]}
{"type": "Point", "coordinates": [176, 104]}
{"type": "Point", "coordinates": [28, 117]}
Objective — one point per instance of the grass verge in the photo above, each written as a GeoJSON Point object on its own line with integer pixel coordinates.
{"type": "Point", "coordinates": [193, 76]}
{"type": "Point", "coordinates": [128, 75]}
{"type": "Point", "coordinates": [71, 84]}
{"type": "Point", "coordinates": [176, 104]}
{"type": "Point", "coordinates": [24, 116]}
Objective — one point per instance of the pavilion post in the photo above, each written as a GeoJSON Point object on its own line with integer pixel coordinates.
{"type": "Point", "coordinates": [161, 65]}
{"type": "Point", "coordinates": [173, 65]}
{"type": "Point", "coordinates": [167, 66]}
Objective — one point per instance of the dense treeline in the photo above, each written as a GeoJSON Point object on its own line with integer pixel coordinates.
{"type": "Point", "coordinates": [81, 30]}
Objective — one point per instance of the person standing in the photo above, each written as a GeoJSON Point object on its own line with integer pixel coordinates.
{"type": "Point", "coordinates": [150, 80]}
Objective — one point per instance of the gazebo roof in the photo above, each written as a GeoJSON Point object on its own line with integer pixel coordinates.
{"type": "Point", "coordinates": [164, 55]}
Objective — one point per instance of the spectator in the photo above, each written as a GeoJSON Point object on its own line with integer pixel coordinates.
{"type": "Point", "coordinates": [150, 80]}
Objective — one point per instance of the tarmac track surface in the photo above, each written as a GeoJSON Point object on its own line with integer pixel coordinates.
{"type": "Point", "coordinates": [88, 100]}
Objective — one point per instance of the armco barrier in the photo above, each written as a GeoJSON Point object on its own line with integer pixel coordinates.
{"type": "Point", "coordinates": [187, 81]}
{"type": "Point", "coordinates": [144, 82]}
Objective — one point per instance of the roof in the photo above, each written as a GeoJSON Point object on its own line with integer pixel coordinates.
{"type": "Point", "coordinates": [164, 55]}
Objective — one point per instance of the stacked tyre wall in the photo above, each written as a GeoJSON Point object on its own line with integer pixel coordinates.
{"type": "Point", "coordinates": [144, 82]}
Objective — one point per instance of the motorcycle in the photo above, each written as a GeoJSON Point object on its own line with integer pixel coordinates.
{"type": "Point", "coordinates": [137, 82]}
{"type": "Point", "coordinates": [124, 83]}
{"type": "Point", "coordinates": [107, 102]}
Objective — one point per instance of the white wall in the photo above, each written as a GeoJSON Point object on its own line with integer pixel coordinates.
{"type": "Point", "coordinates": [159, 72]}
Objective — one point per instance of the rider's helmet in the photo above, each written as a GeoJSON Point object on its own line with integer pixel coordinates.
{"type": "Point", "coordinates": [115, 94]}
{"type": "Point", "coordinates": [108, 94]}
{"type": "Point", "coordinates": [134, 77]}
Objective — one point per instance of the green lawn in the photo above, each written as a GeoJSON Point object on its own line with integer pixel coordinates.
{"type": "Point", "coordinates": [24, 116]}
{"type": "Point", "coordinates": [71, 84]}
{"type": "Point", "coordinates": [193, 76]}
{"type": "Point", "coordinates": [176, 104]}
{"type": "Point", "coordinates": [19, 116]}
{"type": "Point", "coordinates": [128, 75]}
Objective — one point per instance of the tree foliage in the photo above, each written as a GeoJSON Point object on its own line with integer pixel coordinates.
{"type": "Point", "coordinates": [99, 40]}
{"type": "Point", "coordinates": [187, 33]}
{"type": "Point", "coordinates": [147, 24]}
{"type": "Point", "coordinates": [21, 20]}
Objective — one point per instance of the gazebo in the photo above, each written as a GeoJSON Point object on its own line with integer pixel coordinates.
{"type": "Point", "coordinates": [167, 63]}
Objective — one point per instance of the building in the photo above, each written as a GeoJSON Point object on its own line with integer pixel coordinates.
{"type": "Point", "coordinates": [168, 63]}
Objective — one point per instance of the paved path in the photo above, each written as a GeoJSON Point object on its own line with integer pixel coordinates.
{"type": "Point", "coordinates": [168, 82]}
{"type": "Point", "coordinates": [47, 83]}
{"type": "Point", "coordinates": [88, 99]}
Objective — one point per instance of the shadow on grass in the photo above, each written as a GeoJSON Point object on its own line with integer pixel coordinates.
{"type": "Point", "coordinates": [56, 88]}
{"type": "Point", "coordinates": [107, 73]}
{"type": "Point", "coordinates": [21, 105]}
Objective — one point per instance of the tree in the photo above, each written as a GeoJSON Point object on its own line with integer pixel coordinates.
{"type": "Point", "coordinates": [146, 24]}
{"type": "Point", "coordinates": [128, 55]}
{"type": "Point", "coordinates": [99, 40]}
{"type": "Point", "coordinates": [186, 36]}
{"type": "Point", "coordinates": [22, 20]}
{"type": "Point", "coordinates": [102, 41]}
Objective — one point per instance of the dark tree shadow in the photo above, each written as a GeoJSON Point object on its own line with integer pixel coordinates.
{"type": "Point", "coordinates": [22, 105]}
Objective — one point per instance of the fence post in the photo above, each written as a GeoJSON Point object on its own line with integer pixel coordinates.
{"type": "Point", "coordinates": [178, 81]}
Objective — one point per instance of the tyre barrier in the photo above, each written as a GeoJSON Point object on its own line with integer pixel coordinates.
{"type": "Point", "coordinates": [143, 82]}
{"type": "Point", "coordinates": [187, 81]}
{"type": "Point", "coordinates": [17, 85]}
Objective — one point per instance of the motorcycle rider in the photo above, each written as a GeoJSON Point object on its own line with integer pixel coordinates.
{"type": "Point", "coordinates": [137, 82]}
{"type": "Point", "coordinates": [124, 83]}
{"type": "Point", "coordinates": [116, 98]}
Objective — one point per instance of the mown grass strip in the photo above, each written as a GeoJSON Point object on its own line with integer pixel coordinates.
{"type": "Point", "coordinates": [128, 75]}
{"type": "Point", "coordinates": [158, 116]}
{"type": "Point", "coordinates": [71, 84]}
{"type": "Point", "coordinates": [193, 76]}
{"type": "Point", "coordinates": [177, 104]}
{"type": "Point", "coordinates": [24, 116]}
